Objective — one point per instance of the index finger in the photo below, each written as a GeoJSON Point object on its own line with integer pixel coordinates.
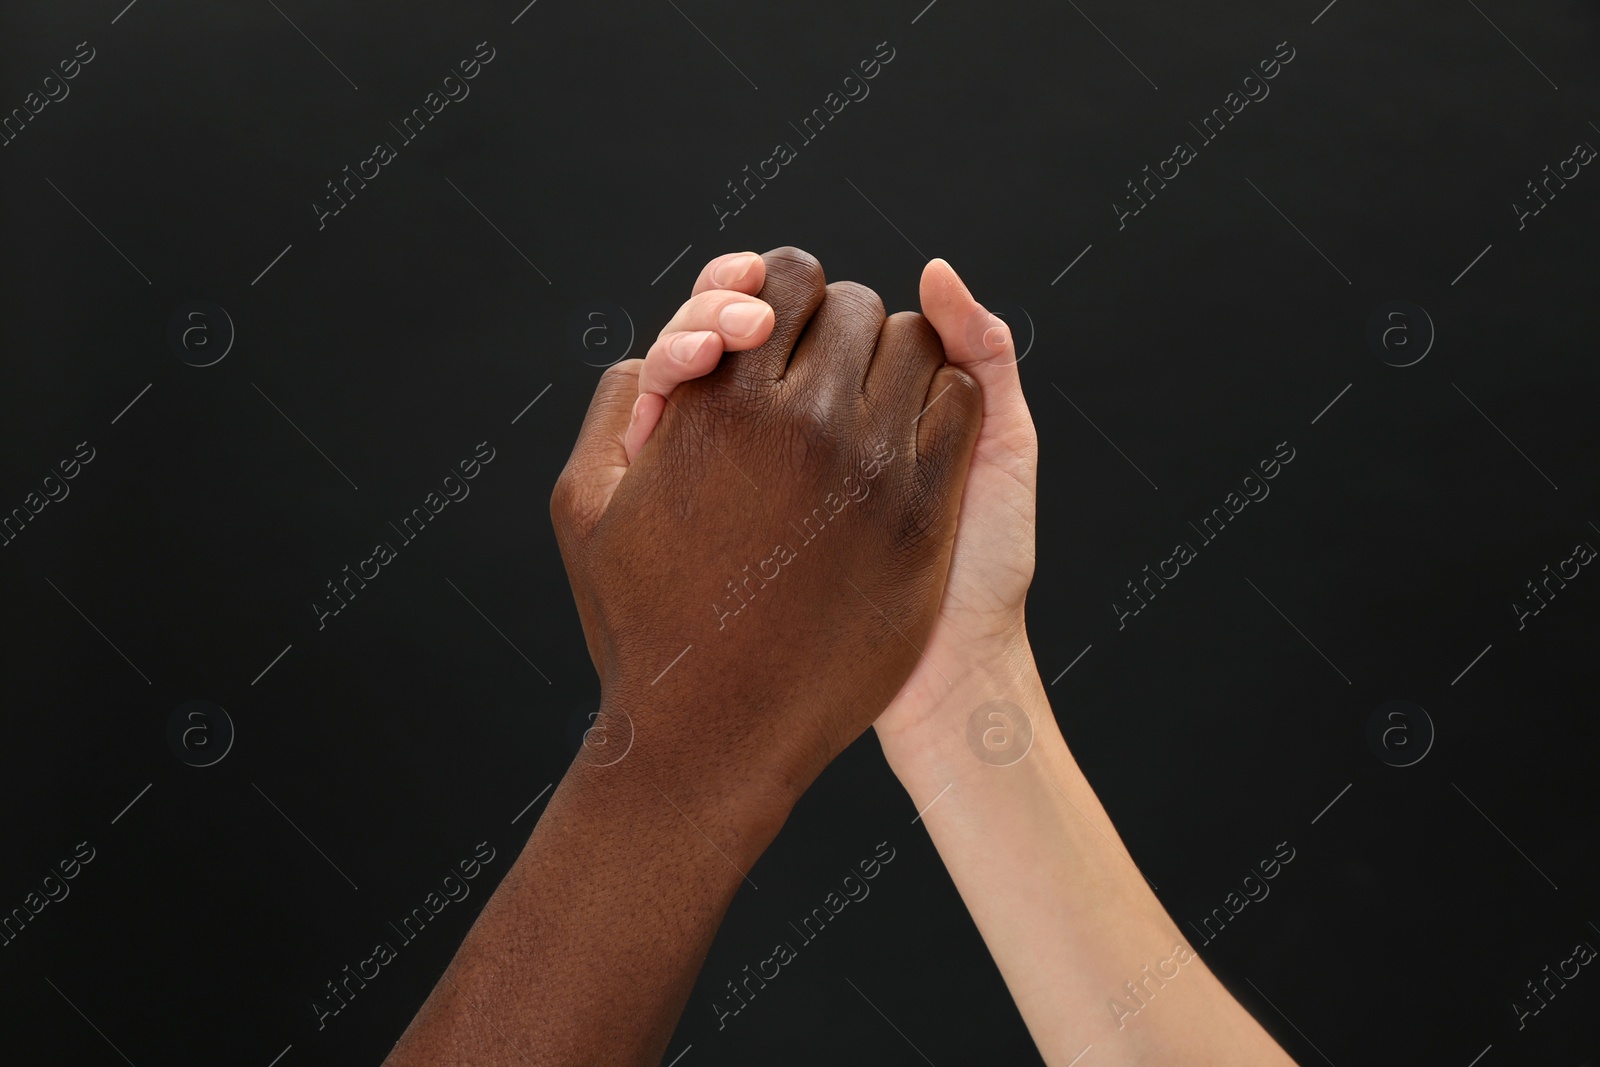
{"type": "Point", "coordinates": [743, 272]}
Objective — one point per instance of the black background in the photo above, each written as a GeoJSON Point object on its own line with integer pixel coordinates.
{"type": "Point", "coordinates": [1222, 320]}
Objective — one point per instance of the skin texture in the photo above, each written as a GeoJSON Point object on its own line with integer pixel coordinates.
{"type": "Point", "coordinates": [842, 436]}
{"type": "Point", "coordinates": [1074, 928]}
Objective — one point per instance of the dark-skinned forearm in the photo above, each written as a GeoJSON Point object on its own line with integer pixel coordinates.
{"type": "Point", "coordinates": [587, 951]}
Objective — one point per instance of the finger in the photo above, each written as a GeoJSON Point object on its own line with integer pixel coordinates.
{"type": "Point", "coordinates": [680, 357]}
{"type": "Point", "coordinates": [836, 349]}
{"type": "Point", "coordinates": [744, 272]}
{"type": "Point", "coordinates": [707, 325]}
{"type": "Point", "coordinates": [691, 345]}
{"type": "Point", "coordinates": [948, 431]}
{"type": "Point", "coordinates": [744, 321]}
{"type": "Point", "coordinates": [909, 352]}
{"type": "Point", "coordinates": [793, 288]}
{"type": "Point", "coordinates": [646, 415]}
{"type": "Point", "coordinates": [599, 458]}
{"type": "Point", "coordinates": [947, 428]}
{"type": "Point", "coordinates": [671, 362]}
{"type": "Point", "coordinates": [978, 341]}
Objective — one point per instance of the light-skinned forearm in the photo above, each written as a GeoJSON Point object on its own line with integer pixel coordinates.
{"type": "Point", "coordinates": [1067, 916]}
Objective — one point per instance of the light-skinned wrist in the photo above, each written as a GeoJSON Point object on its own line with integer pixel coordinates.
{"type": "Point", "coordinates": [941, 724]}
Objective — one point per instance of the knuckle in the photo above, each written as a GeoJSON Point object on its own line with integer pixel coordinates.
{"type": "Point", "coordinates": [618, 378]}
{"type": "Point", "coordinates": [855, 300]}
{"type": "Point", "coordinates": [814, 423]}
{"type": "Point", "coordinates": [912, 330]}
{"type": "Point", "coordinates": [794, 268]}
{"type": "Point", "coordinates": [699, 308]}
{"type": "Point", "coordinates": [949, 430]}
{"type": "Point", "coordinates": [618, 386]}
{"type": "Point", "coordinates": [563, 501]}
{"type": "Point", "coordinates": [964, 390]}
{"type": "Point", "coordinates": [655, 359]}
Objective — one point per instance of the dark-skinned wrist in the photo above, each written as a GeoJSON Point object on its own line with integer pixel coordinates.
{"type": "Point", "coordinates": [644, 753]}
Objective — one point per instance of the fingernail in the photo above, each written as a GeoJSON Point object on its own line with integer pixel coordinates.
{"type": "Point", "coordinates": [730, 271]}
{"type": "Point", "coordinates": [685, 345]}
{"type": "Point", "coordinates": [634, 416]}
{"type": "Point", "coordinates": [742, 318]}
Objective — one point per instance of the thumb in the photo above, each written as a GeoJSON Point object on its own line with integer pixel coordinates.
{"type": "Point", "coordinates": [977, 341]}
{"type": "Point", "coordinates": [599, 458]}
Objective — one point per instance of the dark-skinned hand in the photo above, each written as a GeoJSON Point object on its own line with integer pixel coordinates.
{"type": "Point", "coordinates": [756, 584]}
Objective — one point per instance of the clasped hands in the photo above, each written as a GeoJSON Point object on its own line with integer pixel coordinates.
{"type": "Point", "coordinates": [797, 516]}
